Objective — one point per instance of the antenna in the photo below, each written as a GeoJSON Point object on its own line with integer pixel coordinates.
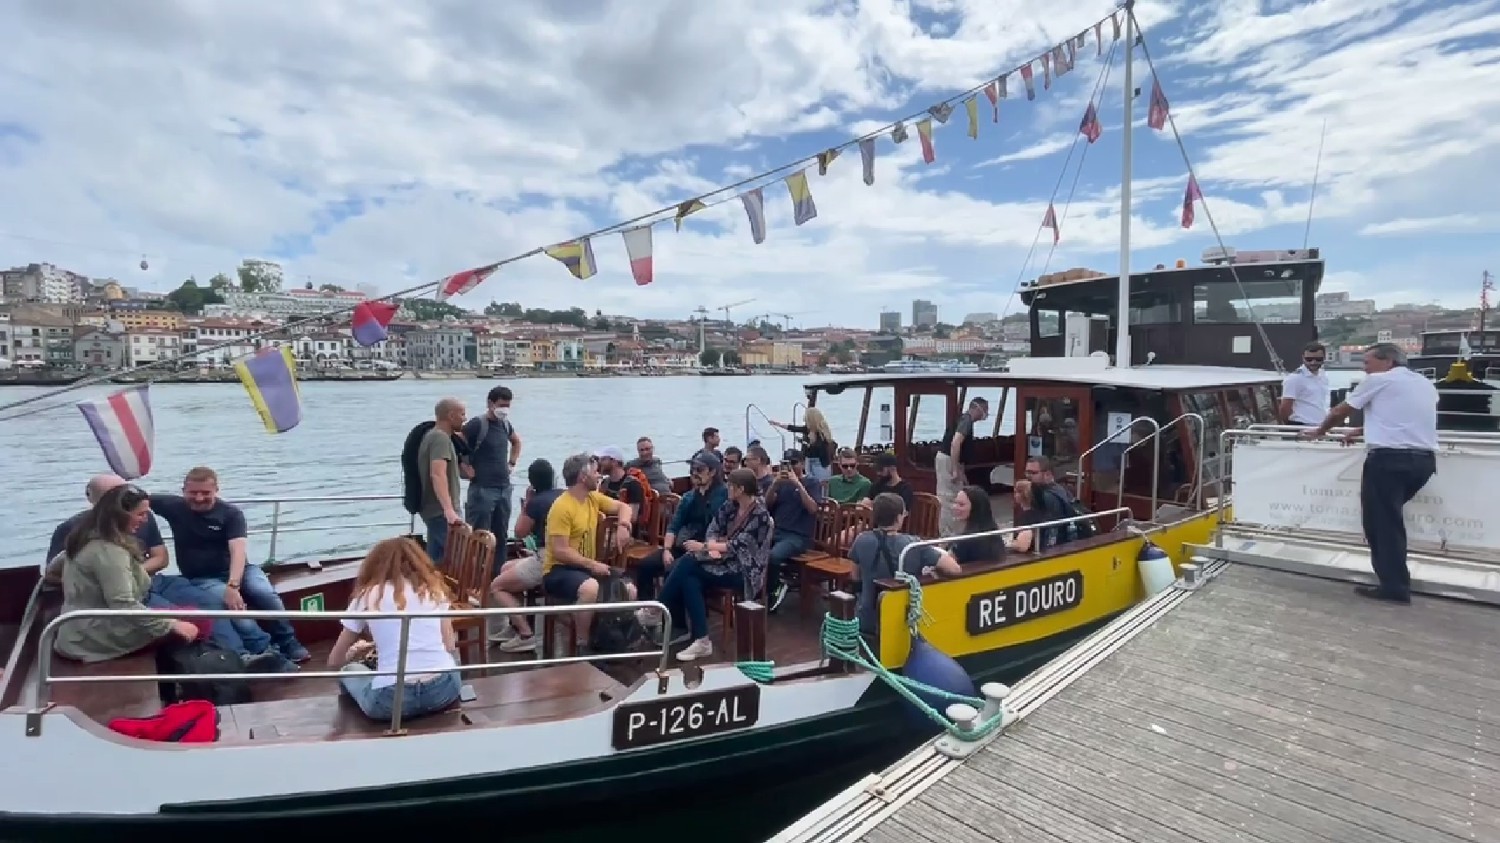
{"type": "Point", "coordinates": [1312, 197]}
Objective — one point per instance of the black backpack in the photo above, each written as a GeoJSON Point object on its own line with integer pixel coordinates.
{"type": "Point", "coordinates": [411, 473]}
{"type": "Point", "coordinates": [1069, 507]}
{"type": "Point", "coordinates": [617, 631]}
{"type": "Point", "coordinates": [200, 658]}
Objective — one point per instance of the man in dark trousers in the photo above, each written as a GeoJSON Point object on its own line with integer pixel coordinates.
{"type": "Point", "coordinates": [1401, 443]}
{"type": "Point", "coordinates": [494, 449]}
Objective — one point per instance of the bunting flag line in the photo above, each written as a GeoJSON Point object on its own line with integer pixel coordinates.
{"type": "Point", "coordinates": [971, 105]}
{"type": "Point", "coordinates": [924, 134]}
{"type": "Point", "coordinates": [1004, 94]}
{"type": "Point", "coordinates": [898, 133]}
{"type": "Point", "coordinates": [824, 159]}
{"type": "Point", "coordinates": [638, 249]}
{"type": "Point", "coordinates": [1059, 61]}
{"type": "Point", "coordinates": [270, 376]}
{"type": "Point", "coordinates": [1114, 21]}
{"type": "Point", "coordinates": [867, 159]}
{"type": "Point", "coordinates": [755, 208]}
{"type": "Point", "coordinates": [576, 255]}
{"type": "Point", "coordinates": [1049, 220]}
{"type": "Point", "coordinates": [1156, 115]}
{"type": "Point", "coordinates": [124, 428]}
{"type": "Point", "coordinates": [462, 282]}
{"type": "Point", "coordinates": [371, 321]}
{"type": "Point", "coordinates": [1189, 196]}
{"type": "Point", "coordinates": [1046, 71]}
{"type": "Point", "coordinates": [803, 207]}
{"type": "Point", "coordinates": [1090, 127]}
{"type": "Point", "coordinates": [1029, 77]}
{"type": "Point", "coordinates": [692, 206]}
{"type": "Point", "coordinates": [1099, 38]}
{"type": "Point", "coordinates": [942, 111]}
{"type": "Point", "coordinates": [992, 93]}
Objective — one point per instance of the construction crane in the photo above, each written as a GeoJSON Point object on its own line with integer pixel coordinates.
{"type": "Point", "coordinates": [786, 319]}
{"type": "Point", "coordinates": [727, 321]}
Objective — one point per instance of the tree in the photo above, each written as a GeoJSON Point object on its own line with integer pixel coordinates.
{"type": "Point", "coordinates": [428, 310]}
{"type": "Point", "coordinates": [258, 276]}
{"type": "Point", "coordinates": [190, 298]}
{"type": "Point", "coordinates": [709, 357]}
{"type": "Point", "coordinates": [602, 324]}
{"type": "Point", "coordinates": [331, 288]}
{"type": "Point", "coordinates": [510, 309]}
{"type": "Point", "coordinates": [942, 332]}
{"type": "Point", "coordinates": [220, 282]}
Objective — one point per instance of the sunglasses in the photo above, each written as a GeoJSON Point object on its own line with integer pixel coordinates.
{"type": "Point", "coordinates": [849, 466]}
{"type": "Point", "coordinates": [1313, 359]}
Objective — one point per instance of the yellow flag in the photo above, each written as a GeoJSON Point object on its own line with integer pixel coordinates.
{"type": "Point", "coordinates": [971, 105]}
{"type": "Point", "coordinates": [692, 206]}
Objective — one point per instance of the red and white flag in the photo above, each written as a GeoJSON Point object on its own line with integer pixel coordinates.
{"type": "Point", "coordinates": [638, 248]}
{"type": "Point", "coordinates": [1189, 196]}
{"type": "Point", "coordinates": [1089, 127]}
{"type": "Point", "coordinates": [1046, 71]}
{"type": "Point", "coordinates": [462, 282]}
{"type": "Point", "coordinates": [1050, 221]}
{"type": "Point", "coordinates": [122, 424]}
{"type": "Point", "coordinates": [1156, 115]}
{"type": "Point", "coordinates": [1028, 76]}
{"type": "Point", "coordinates": [992, 93]}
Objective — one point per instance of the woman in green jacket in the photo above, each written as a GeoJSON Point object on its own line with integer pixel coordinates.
{"type": "Point", "coordinates": [103, 571]}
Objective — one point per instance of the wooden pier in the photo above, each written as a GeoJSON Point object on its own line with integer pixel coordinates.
{"type": "Point", "coordinates": [1263, 705]}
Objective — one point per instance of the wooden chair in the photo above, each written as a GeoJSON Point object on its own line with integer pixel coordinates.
{"type": "Point", "coordinates": [606, 551]}
{"type": "Point", "coordinates": [666, 506]}
{"type": "Point", "coordinates": [925, 515]}
{"type": "Point", "coordinates": [824, 533]}
{"type": "Point", "coordinates": [723, 600]}
{"type": "Point", "coordinates": [468, 580]}
{"type": "Point", "coordinates": [833, 572]}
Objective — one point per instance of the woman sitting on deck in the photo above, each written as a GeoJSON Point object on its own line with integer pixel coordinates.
{"type": "Point", "coordinates": [396, 576]}
{"type": "Point", "coordinates": [734, 557]}
{"type": "Point", "coordinates": [103, 571]}
{"type": "Point", "coordinates": [974, 513]}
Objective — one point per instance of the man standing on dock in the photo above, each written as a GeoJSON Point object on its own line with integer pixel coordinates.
{"type": "Point", "coordinates": [1305, 392]}
{"type": "Point", "coordinates": [1401, 442]}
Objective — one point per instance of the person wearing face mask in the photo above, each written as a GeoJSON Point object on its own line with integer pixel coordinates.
{"type": "Point", "coordinates": [494, 449]}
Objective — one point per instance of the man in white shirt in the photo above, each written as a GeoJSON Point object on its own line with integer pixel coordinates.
{"type": "Point", "coordinates": [1305, 392]}
{"type": "Point", "coordinates": [1401, 441]}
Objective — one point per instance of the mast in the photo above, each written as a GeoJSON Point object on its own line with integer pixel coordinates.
{"type": "Point", "coordinates": [1122, 320]}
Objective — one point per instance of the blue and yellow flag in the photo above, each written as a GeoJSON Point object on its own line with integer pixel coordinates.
{"type": "Point", "coordinates": [270, 376]}
{"type": "Point", "coordinates": [803, 207]}
{"type": "Point", "coordinates": [576, 255]}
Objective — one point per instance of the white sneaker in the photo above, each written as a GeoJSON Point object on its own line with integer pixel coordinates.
{"type": "Point", "coordinates": [519, 644]}
{"type": "Point", "coordinates": [506, 633]}
{"type": "Point", "coordinates": [700, 649]}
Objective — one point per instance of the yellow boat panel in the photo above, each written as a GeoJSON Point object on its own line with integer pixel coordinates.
{"type": "Point", "coordinates": [1033, 601]}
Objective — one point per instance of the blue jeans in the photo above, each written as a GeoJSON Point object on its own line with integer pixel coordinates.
{"type": "Point", "coordinates": [436, 694]}
{"type": "Point", "coordinates": [168, 590]}
{"type": "Point", "coordinates": [784, 545]}
{"type": "Point", "coordinates": [258, 593]}
{"type": "Point", "coordinates": [437, 538]}
{"type": "Point", "coordinates": [488, 508]}
{"type": "Point", "coordinates": [683, 592]}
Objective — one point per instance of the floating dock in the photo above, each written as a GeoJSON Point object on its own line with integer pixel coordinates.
{"type": "Point", "coordinates": [1263, 705]}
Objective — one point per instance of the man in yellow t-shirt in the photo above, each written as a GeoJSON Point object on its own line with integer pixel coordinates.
{"type": "Point", "coordinates": [569, 571]}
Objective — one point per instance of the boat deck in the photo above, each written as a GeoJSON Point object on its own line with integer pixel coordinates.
{"type": "Point", "coordinates": [1264, 706]}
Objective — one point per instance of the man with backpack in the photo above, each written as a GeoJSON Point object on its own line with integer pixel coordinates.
{"type": "Point", "coordinates": [494, 449]}
{"type": "Point", "coordinates": [429, 468]}
{"type": "Point", "coordinates": [1055, 503]}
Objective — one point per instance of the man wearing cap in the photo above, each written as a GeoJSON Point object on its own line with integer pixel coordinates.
{"type": "Point", "coordinates": [689, 521]}
{"type": "Point", "coordinates": [793, 501]}
{"type": "Point", "coordinates": [617, 483]}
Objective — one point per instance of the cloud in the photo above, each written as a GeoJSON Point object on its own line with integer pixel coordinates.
{"type": "Point", "coordinates": [372, 142]}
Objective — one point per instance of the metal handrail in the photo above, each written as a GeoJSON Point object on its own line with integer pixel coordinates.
{"type": "Point", "coordinates": [1083, 474]}
{"type": "Point", "coordinates": [1198, 453]}
{"type": "Point", "coordinates": [49, 634]}
{"type": "Point", "coordinates": [276, 529]}
{"type": "Point", "coordinates": [780, 434]}
{"type": "Point", "coordinates": [1155, 439]}
{"type": "Point", "coordinates": [1005, 531]}
{"type": "Point", "coordinates": [795, 405]}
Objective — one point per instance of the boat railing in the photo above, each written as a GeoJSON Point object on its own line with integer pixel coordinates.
{"type": "Point", "coordinates": [751, 411]}
{"type": "Point", "coordinates": [278, 528]}
{"type": "Point", "coordinates": [1195, 492]}
{"type": "Point", "coordinates": [1123, 431]}
{"type": "Point", "coordinates": [40, 702]}
{"type": "Point", "coordinates": [1009, 531]}
{"type": "Point", "coordinates": [796, 416]}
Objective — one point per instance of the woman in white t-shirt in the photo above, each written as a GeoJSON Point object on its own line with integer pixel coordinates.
{"type": "Point", "coordinates": [396, 576]}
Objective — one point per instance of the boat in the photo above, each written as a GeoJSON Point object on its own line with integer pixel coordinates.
{"type": "Point", "coordinates": [24, 375]}
{"type": "Point", "coordinates": [560, 737]}
{"type": "Point", "coordinates": [912, 367]}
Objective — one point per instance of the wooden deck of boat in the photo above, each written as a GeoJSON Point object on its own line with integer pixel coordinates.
{"type": "Point", "coordinates": [1266, 706]}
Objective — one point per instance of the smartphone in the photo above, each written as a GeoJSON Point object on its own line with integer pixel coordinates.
{"type": "Point", "coordinates": [467, 694]}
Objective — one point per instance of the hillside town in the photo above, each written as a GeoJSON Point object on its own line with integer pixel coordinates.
{"type": "Point", "coordinates": [54, 318]}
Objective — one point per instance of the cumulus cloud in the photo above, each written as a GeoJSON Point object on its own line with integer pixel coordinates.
{"type": "Point", "coordinates": [383, 143]}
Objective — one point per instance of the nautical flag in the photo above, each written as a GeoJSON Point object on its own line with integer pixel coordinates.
{"type": "Point", "coordinates": [824, 159]}
{"type": "Point", "coordinates": [123, 426]}
{"type": "Point", "coordinates": [924, 134]}
{"type": "Point", "coordinates": [898, 133]}
{"type": "Point", "coordinates": [270, 376]}
{"type": "Point", "coordinates": [971, 105]}
{"type": "Point", "coordinates": [1115, 19]}
{"type": "Point", "coordinates": [1090, 127]}
{"type": "Point", "coordinates": [1027, 76]}
{"type": "Point", "coordinates": [576, 255]}
{"type": "Point", "coordinates": [992, 93]}
{"type": "Point", "coordinates": [1049, 220]}
{"type": "Point", "coordinates": [755, 208]}
{"type": "Point", "coordinates": [1004, 94]}
{"type": "Point", "coordinates": [1189, 196]}
{"type": "Point", "coordinates": [803, 207]}
{"type": "Point", "coordinates": [867, 159]}
{"type": "Point", "coordinates": [371, 319]}
{"type": "Point", "coordinates": [942, 111]}
{"type": "Point", "coordinates": [638, 249]}
{"type": "Point", "coordinates": [1046, 72]}
{"type": "Point", "coordinates": [1156, 115]}
{"type": "Point", "coordinates": [692, 206]}
{"type": "Point", "coordinates": [1099, 38]}
{"type": "Point", "coordinates": [463, 282]}
{"type": "Point", "coordinates": [1060, 60]}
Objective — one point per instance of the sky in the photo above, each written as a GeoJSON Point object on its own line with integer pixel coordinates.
{"type": "Point", "coordinates": [388, 144]}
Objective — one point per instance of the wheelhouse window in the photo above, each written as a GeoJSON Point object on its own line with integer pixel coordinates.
{"type": "Point", "coordinates": [1049, 323]}
{"type": "Point", "coordinates": [1155, 307]}
{"type": "Point", "coordinates": [1052, 431]}
{"type": "Point", "coordinates": [1277, 301]}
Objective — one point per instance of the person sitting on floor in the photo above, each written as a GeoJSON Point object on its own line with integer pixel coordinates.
{"type": "Point", "coordinates": [876, 552]}
{"type": "Point", "coordinates": [103, 571]}
{"type": "Point", "coordinates": [734, 557]}
{"type": "Point", "coordinates": [397, 576]}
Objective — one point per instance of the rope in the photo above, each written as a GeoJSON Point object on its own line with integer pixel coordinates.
{"type": "Point", "coordinates": [842, 640]}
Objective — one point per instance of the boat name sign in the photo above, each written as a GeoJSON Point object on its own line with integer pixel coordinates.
{"type": "Point", "coordinates": [680, 718]}
{"type": "Point", "coordinates": [1015, 604]}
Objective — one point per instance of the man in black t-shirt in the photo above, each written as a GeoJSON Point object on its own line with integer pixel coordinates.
{"type": "Point", "coordinates": [619, 484]}
{"type": "Point", "coordinates": [888, 479]}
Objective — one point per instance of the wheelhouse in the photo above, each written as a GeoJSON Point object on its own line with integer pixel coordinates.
{"type": "Point", "coordinates": [1074, 418]}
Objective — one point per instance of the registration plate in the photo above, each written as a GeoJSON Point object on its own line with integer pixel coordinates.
{"type": "Point", "coordinates": [681, 718]}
